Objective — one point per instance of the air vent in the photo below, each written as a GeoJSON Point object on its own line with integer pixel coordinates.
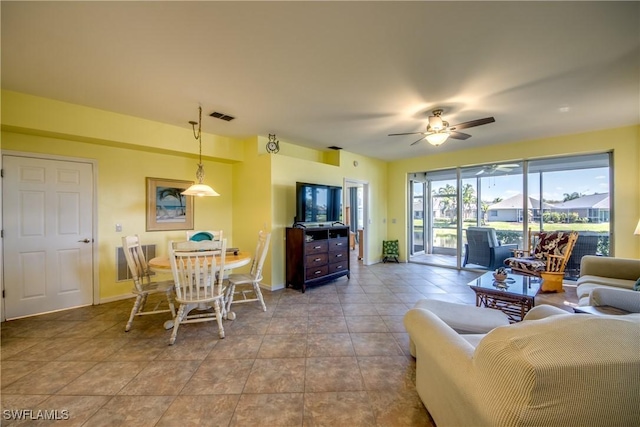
{"type": "Point", "coordinates": [122, 268]}
{"type": "Point", "coordinates": [333, 147]}
{"type": "Point", "coordinates": [221, 116]}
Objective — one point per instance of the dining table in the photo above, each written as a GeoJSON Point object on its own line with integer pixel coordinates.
{"type": "Point", "coordinates": [236, 259]}
{"type": "Point", "coordinates": [233, 259]}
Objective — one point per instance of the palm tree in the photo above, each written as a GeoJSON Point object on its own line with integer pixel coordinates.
{"type": "Point", "coordinates": [167, 192]}
{"type": "Point", "coordinates": [571, 196]}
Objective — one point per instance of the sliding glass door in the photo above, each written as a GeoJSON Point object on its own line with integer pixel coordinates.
{"type": "Point", "coordinates": [564, 193]}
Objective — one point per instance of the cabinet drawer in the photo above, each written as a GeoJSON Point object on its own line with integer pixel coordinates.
{"type": "Point", "coordinates": [316, 260]}
{"type": "Point", "coordinates": [338, 256]}
{"type": "Point", "coordinates": [318, 271]}
{"type": "Point", "coordinates": [338, 244]}
{"type": "Point", "coordinates": [315, 247]}
{"type": "Point", "coordinates": [337, 266]}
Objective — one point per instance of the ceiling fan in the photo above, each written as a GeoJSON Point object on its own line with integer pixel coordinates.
{"type": "Point", "coordinates": [489, 169]}
{"type": "Point", "coordinates": [438, 130]}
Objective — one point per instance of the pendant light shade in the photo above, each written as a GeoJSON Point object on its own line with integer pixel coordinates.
{"type": "Point", "coordinates": [200, 189]}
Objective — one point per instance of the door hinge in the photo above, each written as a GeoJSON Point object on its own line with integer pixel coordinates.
{"type": "Point", "coordinates": [1, 233]}
{"type": "Point", "coordinates": [3, 293]}
{"type": "Point", "coordinates": [1, 173]}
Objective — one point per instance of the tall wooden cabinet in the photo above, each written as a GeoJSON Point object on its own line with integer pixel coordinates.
{"type": "Point", "coordinates": [316, 255]}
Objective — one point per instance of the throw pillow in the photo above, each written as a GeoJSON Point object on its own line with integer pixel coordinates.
{"type": "Point", "coordinates": [636, 287]}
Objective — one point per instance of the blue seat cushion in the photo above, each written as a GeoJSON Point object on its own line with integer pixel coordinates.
{"type": "Point", "coordinates": [199, 237]}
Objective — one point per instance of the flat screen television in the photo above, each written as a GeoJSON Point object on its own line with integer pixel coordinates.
{"type": "Point", "coordinates": [318, 203]}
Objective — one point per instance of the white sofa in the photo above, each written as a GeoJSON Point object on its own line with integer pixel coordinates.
{"type": "Point", "coordinates": [552, 369]}
{"type": "Point", "coordinates": [597, 271]}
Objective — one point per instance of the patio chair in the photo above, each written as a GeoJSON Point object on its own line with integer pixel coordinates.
{"type": "Point", "coordinates": [484, 249]}
{"type": "Point", "coordinates": [587, 244]}
{"type": "Point", "coordinates": [548, 253]}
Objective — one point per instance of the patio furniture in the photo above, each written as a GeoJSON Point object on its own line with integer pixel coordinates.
{"type": "Point", "coordinates": [587, 244]}
{"type": "Point", "coordinates": [484, 249]}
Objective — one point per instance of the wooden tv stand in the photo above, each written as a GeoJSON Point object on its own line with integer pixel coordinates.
{"type": "Point", "coordinates": [316, 255]}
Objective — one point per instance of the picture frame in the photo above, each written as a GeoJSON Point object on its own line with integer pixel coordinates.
{"type": "Point", "coordinates": [167, 209]}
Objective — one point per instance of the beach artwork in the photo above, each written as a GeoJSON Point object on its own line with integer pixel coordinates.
{"type": "Point", "coordinates": [167, 208]}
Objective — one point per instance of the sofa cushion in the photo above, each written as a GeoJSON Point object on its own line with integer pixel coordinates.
{"type": "Point", "coordinates": [525, 376]}
{"type": "Point", "coordinates": [584, 288]}
{"type": "Point", "coordinates": [554, 243]}
{"type": "Point", "coordinates": [463, 318]}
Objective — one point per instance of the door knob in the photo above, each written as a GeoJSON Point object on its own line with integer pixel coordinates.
{"type": "Point", "coordinates": [85, 241]}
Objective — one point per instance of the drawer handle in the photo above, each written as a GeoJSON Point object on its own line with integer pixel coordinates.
{"type": "Point", "coordinates": [338, 267]}
{"type": "Point", "coordinates": [318, 272]}
{"type": "Point", "coordinates": [318, 259]}
{"type": "Point", "coordinates": [338, 255]}
{"type": "Point", "coordinates": [339, 244]}
{"type": "Point", "coordinates": [317, 247]}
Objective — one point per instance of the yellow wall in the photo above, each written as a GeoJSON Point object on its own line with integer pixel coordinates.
{"type": "Point", "coordinates": [252, 200]}
{"type": "Point", "coordinates": [258, 189]}
{"type": "Point", "coordinates": [35, 115]}
{"type": "Point", "coordinates": [121, 188]}
{"type": "Point", "coordinates": [625, 143]}
{"type": "Point", "coordinates": [286, 171]}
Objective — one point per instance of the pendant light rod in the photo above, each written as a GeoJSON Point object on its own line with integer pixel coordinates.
{"type": "Point", "coordinates": [200, 189]}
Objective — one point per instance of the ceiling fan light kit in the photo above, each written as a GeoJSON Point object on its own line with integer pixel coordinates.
{"type": "Point", "coordinates": [438, 138]}
{"type": "Point", "coordinates": [438, 130]}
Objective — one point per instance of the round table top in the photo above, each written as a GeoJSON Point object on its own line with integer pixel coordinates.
{"type": "Point", "coordinates": [162, 264]}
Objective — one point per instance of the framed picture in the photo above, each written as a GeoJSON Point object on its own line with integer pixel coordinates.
{"type": "Point", "coordinates": [167, 209]}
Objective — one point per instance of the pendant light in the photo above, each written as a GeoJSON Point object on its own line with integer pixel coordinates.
{"type": "Point", "coordinates": [199, 189]}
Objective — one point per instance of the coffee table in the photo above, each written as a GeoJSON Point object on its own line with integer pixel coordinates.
{"type": "Point", "coordinates": [515, 296]}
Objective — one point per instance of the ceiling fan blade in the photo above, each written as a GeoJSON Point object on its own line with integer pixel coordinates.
{"type": "Point", "coordinates": [473, 123]}
{"type": "Point", "coordinates": [421, 139]}
{"type": "Point", "coordinates": [481, 172]}
{"type": "Point", "coordinates": [408, 133]}
{"type": "Point", "coordinates": [459, 135]}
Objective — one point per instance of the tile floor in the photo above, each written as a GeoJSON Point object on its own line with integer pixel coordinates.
{"type": "Point", "coordinates": [336, 355]}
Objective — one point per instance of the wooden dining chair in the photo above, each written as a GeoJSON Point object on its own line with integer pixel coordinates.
{"type": "Point", "coordinates": [143, 283]}
{"type": "Point", "coordinates": [252, 278]}
{"type": "Point", "coordinates": [199, 290]}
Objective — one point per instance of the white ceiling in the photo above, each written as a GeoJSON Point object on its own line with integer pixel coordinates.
{"type": "Point", "coordinates": [336, 73]}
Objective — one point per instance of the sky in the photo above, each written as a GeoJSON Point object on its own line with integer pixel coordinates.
{"type": "Point", "coordinates": [556, 184]}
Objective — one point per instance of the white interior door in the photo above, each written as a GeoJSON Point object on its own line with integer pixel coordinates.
{"type": "Point", "coordinates": [48, 235]}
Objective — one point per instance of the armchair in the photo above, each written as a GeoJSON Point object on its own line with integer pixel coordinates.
{"type": "Point", "coordinates": [483, 248]}
{"type": "Point", "coordinates": [548, 253]}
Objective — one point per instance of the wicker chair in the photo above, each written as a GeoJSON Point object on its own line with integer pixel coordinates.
{"type": "Point", "coordinates": [587, 244]}
{"type": "Point", "coordinates": [484, 249]}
